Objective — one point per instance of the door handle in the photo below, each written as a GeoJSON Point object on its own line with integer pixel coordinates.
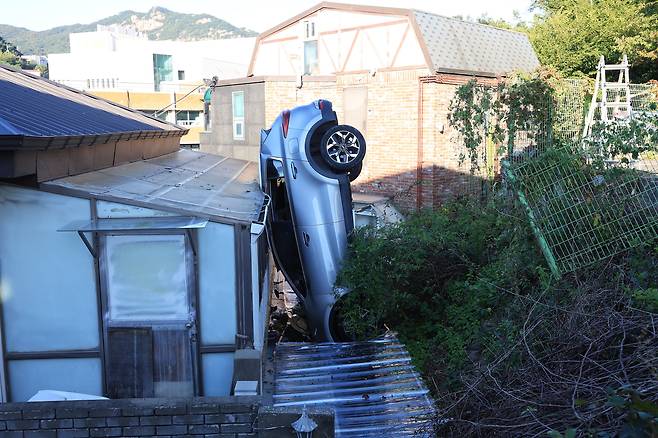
{"type": "Point", "coordinates": [307, 238]}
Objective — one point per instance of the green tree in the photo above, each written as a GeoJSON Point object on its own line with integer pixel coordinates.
{"type": "Point", "coordinates": [571, 35]}
{"type": "Point", "coordinates": [8, 58]}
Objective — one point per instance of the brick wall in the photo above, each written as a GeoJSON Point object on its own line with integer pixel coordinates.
{"type": "Point", "coordinates": [392, 131]}
{"type": "Point", "coordinates": [280, 95]}
{"type": "Point", "coordinates": [209, 416]}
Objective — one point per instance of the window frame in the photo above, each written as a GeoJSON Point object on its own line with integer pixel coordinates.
{"type": "Point", "coordinates": [190, 237]}
{"type": "Point", "coordinates": [237, 120]}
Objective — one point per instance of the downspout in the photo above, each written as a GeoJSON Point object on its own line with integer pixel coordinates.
{"type": "Point", "coordinates": [543, 244]}
{"type": "Point", "coordinates": [420, 149]}
{"type": "Point", "coordinates": [419, 162]}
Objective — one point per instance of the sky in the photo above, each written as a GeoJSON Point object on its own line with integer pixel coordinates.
{"type": "Point", "coordinates": [258, 15]}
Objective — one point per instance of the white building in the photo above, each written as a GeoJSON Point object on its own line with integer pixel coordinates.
{"type": "Point", "coordinates": [114, 58]}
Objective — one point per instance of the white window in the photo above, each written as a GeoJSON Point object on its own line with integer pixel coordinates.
{"type": "Point", "coordinates": [309, 30]}
{"type": "Point", "coordinates": [238, 115]}
{"type": "Point", "coordinates": [310, 50]}
{"type": "Point", "coordinates": [147, 277]}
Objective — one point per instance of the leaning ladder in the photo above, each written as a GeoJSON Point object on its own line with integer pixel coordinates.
{"type": "Point", "coordinates": [612, 99]}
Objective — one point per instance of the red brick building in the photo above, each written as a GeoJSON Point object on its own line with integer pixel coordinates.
{"type": "Point", "coordinates": [390, 72]}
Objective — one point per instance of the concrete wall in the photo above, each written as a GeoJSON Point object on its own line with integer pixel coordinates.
{"type": "Point", "coordinates": [220, 140]}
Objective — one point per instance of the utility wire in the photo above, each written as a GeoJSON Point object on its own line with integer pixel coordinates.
{"type": "Point", "coordinates": [160, 111]}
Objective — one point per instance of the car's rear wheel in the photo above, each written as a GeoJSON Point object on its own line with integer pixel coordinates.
{"type": "Point", "coordinates": [354, 173]}
{"type": "Point", "coordinates": [343, 148]}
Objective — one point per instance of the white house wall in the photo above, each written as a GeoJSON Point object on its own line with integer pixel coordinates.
{"type": "Point", "coordinates": [260, 304]}
{"type": "Point", "coordinates": [40, 265]}
{"type": "Point", "coordinates": [347, 41]}
{"type": "Point", "coordinates": [129, 60]}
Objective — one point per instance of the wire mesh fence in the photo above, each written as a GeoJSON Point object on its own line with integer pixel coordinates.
{"type": "Point", "coordinates": [583, 213]}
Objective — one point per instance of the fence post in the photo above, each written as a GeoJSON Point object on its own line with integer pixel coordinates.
{"type": "Point", "coordinates": [543, 245]}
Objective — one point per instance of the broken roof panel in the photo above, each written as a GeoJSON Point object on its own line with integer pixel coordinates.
{"type": "Point", "coordinates": [186, 182]}
{"type": "Point", "coordinates": [372, 385]}
{"type": "Point", "coordinates": [457, 46]}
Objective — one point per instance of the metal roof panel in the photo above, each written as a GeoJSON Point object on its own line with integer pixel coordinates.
{"type": "Point", "coordinates": [36, 107]}
{"type": "Point", "coordinates": [188, 182]}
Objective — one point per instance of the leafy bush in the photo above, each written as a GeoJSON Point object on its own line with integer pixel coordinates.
{"type": "Point", "coordinates": [436, 279]}
{"type": "Point", "coordinates": [507, 349]}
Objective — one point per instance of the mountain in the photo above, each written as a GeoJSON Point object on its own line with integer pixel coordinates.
{"type": "Point", "coordinates": [158, 23]}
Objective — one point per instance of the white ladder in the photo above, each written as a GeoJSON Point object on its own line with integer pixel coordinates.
{"type": "Point", "coordinates": [618, 101]}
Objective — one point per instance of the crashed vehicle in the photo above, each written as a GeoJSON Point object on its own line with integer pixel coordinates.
{"type": "Point", "coordinates": [307, 161]}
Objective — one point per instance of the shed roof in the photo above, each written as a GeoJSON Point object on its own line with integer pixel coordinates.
{"type": "Point", "coordinates": [450, 45]}
{"type": "Point", "coordinates": [32, 107]}
{"type": "Point", "coordinates": [186, 182]}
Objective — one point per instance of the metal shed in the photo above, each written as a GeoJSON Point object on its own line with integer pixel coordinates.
{"type": "Point", "coordinates": [144, 278]}
{"type": "Point", "coordinates": [128, 267]}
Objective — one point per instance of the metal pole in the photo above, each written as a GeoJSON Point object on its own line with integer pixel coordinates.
{"type": "Point", "coordinates": [543, 245]}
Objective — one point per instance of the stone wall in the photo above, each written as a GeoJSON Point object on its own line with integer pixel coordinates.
{"type": "Point", "coordinates": [217, 417]}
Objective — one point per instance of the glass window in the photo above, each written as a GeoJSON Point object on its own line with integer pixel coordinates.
{"type": "Point", "coordinates": [26, 377]}
{"type": "Point", "coordinates": [147, 277]}
{"type": "Point", "coordinates": [309, 29]}
{"type": "Point", "coordinates": [217, 284]}
{"type": "Point", "coordinates": [187, 118]}
{"type": "Point", "coordinates": [46, 305]}
{"type": "Point", "coordinates": [310, 57]}
{"type": "Point", "coordinates": [181, 75]}
{"type": "Point", "coordinates": [238, 115]}
{"type": "Point", "coordinates": [162, 69]}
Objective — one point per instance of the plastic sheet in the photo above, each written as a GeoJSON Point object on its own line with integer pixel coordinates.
{"type": "Point", "coordinates": [147, 278]}
{"type": "Point", "coordinates": [372, 385]}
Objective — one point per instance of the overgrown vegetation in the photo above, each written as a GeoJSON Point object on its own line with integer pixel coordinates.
{"type": "Point", "coordinates": [509, 349]}
{"type": "Point", "coordinates": [571, 35]}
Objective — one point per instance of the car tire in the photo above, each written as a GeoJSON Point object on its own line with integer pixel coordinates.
{"type": "Point", "coordinates": [343, 148]}
{"type": "Point", "coordinates": [354, 173]}
{"type": "Point", "coordinates": [336, 328]}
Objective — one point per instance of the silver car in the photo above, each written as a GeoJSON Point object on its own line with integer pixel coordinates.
{"type": "Point", "coordinates": [307, 161]}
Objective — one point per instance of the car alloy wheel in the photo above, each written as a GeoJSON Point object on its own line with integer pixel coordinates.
{"type": "Point", "coordinates": [343, 147]}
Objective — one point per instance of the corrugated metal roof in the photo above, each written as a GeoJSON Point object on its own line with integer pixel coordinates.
{"type": "Point", "coordinates": [186, 182]}
{"type": "Point", "coordinates": [372, 385]}
{"type": "Point", "coordinates": [462, 46]}
{"type": "Point", "coordinates": [35, 107]}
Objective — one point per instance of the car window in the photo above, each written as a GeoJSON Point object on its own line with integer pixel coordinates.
{"type": "Point", "coordinates": [282, 233]}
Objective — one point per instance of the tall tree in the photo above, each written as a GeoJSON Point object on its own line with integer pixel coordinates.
{"type": "Point", "coordinates": [571, 35]}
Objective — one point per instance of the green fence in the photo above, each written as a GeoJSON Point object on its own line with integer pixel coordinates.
{"type": "Point", "coordinates": [583, 207]}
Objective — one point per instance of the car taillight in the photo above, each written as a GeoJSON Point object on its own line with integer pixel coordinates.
{"type": "Point", "coordinates": [285, 121]}
{"type": "Point", "coordinates": [321, 104]}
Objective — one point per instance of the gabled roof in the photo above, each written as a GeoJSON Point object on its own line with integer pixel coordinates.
{"type": "Point", "coordinates": [461, 46]}
{"type": "Point", "coordinates": [449, 45]}
{"type": "Point", "coordinates": [35, 111]}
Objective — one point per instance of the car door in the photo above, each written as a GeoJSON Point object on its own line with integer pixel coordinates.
{"type": "Point", "coordinates": [281, 228]}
